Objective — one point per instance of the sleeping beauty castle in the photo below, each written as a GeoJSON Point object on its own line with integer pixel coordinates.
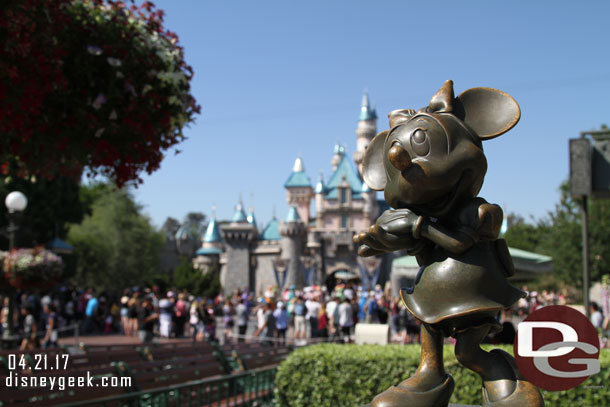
{"type": "Point", "coordinates": [304, 248]}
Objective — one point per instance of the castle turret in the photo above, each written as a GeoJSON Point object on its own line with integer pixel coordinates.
{"type": "Point", "coordinates": [211, 247]}
{"type": "Point", "coordinates": [186, 241]}
{"type": "Point", "coordinates": [293, 232]}
{"type": "Point", "coordinates": [238, 235]}
{"type": "Point", "coordinates": [299, 191]}
{"type": "Point", "coordinates": [337, 156]}
{"type": "Point", "coordinates": [366, 130]}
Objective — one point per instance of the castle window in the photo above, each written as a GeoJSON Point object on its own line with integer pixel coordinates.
{"type": "Point", "coordinates": [343, 195]}
{"type": "Point", "coordinates": [344, 221]}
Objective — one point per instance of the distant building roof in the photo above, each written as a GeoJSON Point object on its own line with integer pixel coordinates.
{"type": "Point", "coordinates": [239, 216]}
{"type": "Point", "coordinates": [208, 251]}
{"type": "Point", "coordinates": [212, 233]}
{"type": "Point", "coordinates": [293, 215]}
{"type": "Point", "coordinates": [272, 231]}
{"type": "Point", "coordinates": [60, 246]}
{"type": "Point", "coordinates": [529, 256]}
{"type": "Point", "coordinates": [528, 265]}
{"type": "Point", "coordinates": [366, 111]}
{"type": "Point", "coordinates": [184, 232]}
{"type": "Point", "coordinates": [298, 178]}
{"type": "Point", "coordinates": [344, 169]}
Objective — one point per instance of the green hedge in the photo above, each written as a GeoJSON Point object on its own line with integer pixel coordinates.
{"type": "Point", "coordinates": [330, 375]}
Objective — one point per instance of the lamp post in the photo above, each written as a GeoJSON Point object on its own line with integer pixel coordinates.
{"type": "Point", "coordinates": [15, 203]}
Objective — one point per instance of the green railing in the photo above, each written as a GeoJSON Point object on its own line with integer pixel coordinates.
{"type": "Point", "coordinates": [254, 387]}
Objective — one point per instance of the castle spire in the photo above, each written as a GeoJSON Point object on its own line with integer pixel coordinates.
{"type": "Point", "coordinates": [366, 111]}
{"type": "Point", "coordinates": [366, 130]}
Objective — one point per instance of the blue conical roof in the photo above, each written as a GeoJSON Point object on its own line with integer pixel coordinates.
{"type": "Point", "coordinates": [344, 170]}
{"type": "Point", "coordinates": [293, 215]}
{"type": "Point", "coordinates": [366, 111]}
{"type": "Point", "coordinates": [184, 232]}
{"type": "Point", "coordinates": [212, 233]}
{"type": "Point", "coordinates": [239, 216]}
{"type": "Point", "coordinates": [272, 231]}
{"type": "Point", "coordinates": [298, 178]}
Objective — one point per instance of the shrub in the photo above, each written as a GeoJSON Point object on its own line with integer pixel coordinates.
{"type": "Point", "coordinates": [329, 375]}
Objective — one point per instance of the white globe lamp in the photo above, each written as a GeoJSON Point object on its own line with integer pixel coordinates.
{"type": "Point", "coordinates": [15, 202]}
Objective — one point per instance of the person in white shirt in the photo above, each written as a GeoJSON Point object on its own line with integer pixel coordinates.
{"type": "Point", "coordinates": [260, 314]}
{"type": "Point", "coordinates": [346, 319]}
{"type": "Point", "coordinates": [597, 319]}
{"type": "Point", "coordinates": [332, 313]}
{"type": "Point", "coordinates": [313, 309]}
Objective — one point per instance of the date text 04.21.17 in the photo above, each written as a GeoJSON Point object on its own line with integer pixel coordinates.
{"type": "Point", "coordinates": [38, 361]}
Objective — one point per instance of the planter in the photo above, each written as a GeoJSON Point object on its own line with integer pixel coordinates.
{"type": "Point", "coordinates": [32, 269]}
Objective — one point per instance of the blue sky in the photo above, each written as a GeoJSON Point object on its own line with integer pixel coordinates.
{"type": "Point", "coordinates": [278, 79]}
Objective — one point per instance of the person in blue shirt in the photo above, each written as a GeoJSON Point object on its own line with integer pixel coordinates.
{"type": "Point", "coordinates": [91, 312]}
{"type": "Point", "coordinates": [361, 305]}
{"type": "Point", "coordinates": [371, 309]}
{"type": "Point", "coordinates": [281, 322]}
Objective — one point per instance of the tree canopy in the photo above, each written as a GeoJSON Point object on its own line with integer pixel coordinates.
{"type": "Point", "coordinates": [188, 277]}
{"type": "Point", "coordinates": [559, 235]}
{"type": "Point", "coordinates": [116, 245]}
{"type": "Point", "coordinates": [89, 85]}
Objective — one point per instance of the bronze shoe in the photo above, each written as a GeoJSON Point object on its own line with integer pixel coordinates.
{"type": "Point", "coordinates": [525, 395]}
{"type": "Point", "coordinates": [401, 397]}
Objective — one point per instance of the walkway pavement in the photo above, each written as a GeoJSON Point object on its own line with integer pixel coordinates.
{"type": "Point", "coordinates": [114, 340]}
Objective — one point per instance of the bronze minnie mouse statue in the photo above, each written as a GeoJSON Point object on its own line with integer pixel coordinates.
{"type": "Point", "coordinates": [431, 166]}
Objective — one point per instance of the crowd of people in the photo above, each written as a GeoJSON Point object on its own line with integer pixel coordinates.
{"type": "Point", "coordinates": [313, 314]}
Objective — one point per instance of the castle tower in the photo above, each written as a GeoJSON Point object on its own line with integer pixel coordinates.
{"type": "Point", "coordinates": [299, 191]}
{"type": "Point", "coordinates": [320, 191]}
{"type": "Point", "coordinates": [211, 247]}
{"type": "Point", "coordinates": [337, 156]}
{"type": "Point", "coordinates": [238, 235]}
{"type": "Point", "coordinates": [293, 232]}
{"type": "Point", "coordinates": [366, 130]}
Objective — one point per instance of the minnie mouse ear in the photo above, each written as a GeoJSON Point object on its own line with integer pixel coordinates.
{"type": "Point", "coordinates": [489, 112]}
{"type": "Point", "coordinates": [373, 168]}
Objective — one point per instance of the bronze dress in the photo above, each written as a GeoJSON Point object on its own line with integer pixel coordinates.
{"type": "Point", "coordinates": [455, 291]}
